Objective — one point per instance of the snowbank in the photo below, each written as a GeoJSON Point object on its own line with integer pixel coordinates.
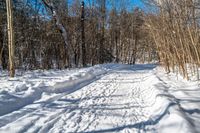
{"type": "Point", "coordinates": [169, 104]}
{"type": "Point", "coordinates": [28, 87]}
{"type": "Point", "coordinates": [168, 114]}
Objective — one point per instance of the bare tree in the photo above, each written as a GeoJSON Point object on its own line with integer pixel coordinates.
{"type": "Point", "coordinates": [62, 30]}
{"type": "Point", "coordinates": [10, 38]}
{"type": "Point", "coordinates": [175, 30]}
{"type": "Point", "coordinates": [83, 34]}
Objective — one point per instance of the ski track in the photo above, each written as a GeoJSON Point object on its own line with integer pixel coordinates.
{"type": "Point", "coordinates": [117, 99]}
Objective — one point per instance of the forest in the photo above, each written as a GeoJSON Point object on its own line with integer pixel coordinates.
{"type": "Point", "coordinates": [99, 66]}
{"type": "Point", "coordinates": [59, 34]}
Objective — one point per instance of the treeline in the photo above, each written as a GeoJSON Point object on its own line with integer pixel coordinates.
{"type": "Point", "coordinates": [175, 29]}
{"type": "Point", "coordinates": [62, 34]}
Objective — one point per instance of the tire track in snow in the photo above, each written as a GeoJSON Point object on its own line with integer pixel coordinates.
{"type": "Point", "coordinates": [115, 100]}
{"type": "Point", "coordinates": [121, 78]}
{"type": "Point", "coordinates": [29, 111]}
{"type": "Point", "coordinates": [106, 93]}
{"type": "Point", "coordinates": [90, 99]}
{"type": "Point", "coordinates": [14, 116]}
{"type": "Point", "coordinates": [73, 115]}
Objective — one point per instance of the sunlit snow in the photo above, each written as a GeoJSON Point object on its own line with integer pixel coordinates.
{"type": "Point", "coordinates": [103, 98]}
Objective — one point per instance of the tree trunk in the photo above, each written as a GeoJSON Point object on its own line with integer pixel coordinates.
{"type": "Point", "coordinates": [83, 35]}
{"type": "Point", "coordinates": [103, 16]}
{"type": "Point", "coordinates": [10, 37]}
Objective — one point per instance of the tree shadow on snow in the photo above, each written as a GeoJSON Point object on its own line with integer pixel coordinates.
{"type": "Point", "coordinates": [72, 104]}
{"type": "Point", "coordinates": [140, 125]}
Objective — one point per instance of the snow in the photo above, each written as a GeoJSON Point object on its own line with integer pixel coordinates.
{"type": "Point", "coordinates": [103, 98]}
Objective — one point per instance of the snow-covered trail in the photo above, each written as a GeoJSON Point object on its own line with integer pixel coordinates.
{"type": "Point", "coordinates": [104, 98]}
{"type": "Point", "coordinates": [115, 102]}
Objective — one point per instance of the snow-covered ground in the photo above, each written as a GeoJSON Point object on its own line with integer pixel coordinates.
{"type": "Point", "coordinates": [103, 98]}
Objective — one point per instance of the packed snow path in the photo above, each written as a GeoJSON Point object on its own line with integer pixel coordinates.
{"type": "Point", "coordinates": [125, 99]}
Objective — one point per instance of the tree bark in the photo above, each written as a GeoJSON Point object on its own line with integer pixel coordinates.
{"type": "Point", "coordinates": [83, 35]}
{"type": "Point", "coordinates": [10, 38]}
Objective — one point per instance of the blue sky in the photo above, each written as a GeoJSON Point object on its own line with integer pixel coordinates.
{"type": "Point", "coordinates": [137, 3]}
{"type": "Point", "coordinates": [131, 3]}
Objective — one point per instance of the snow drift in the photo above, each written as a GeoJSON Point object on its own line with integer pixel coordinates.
{"type": "Point", "coordinates": [103, 98]}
